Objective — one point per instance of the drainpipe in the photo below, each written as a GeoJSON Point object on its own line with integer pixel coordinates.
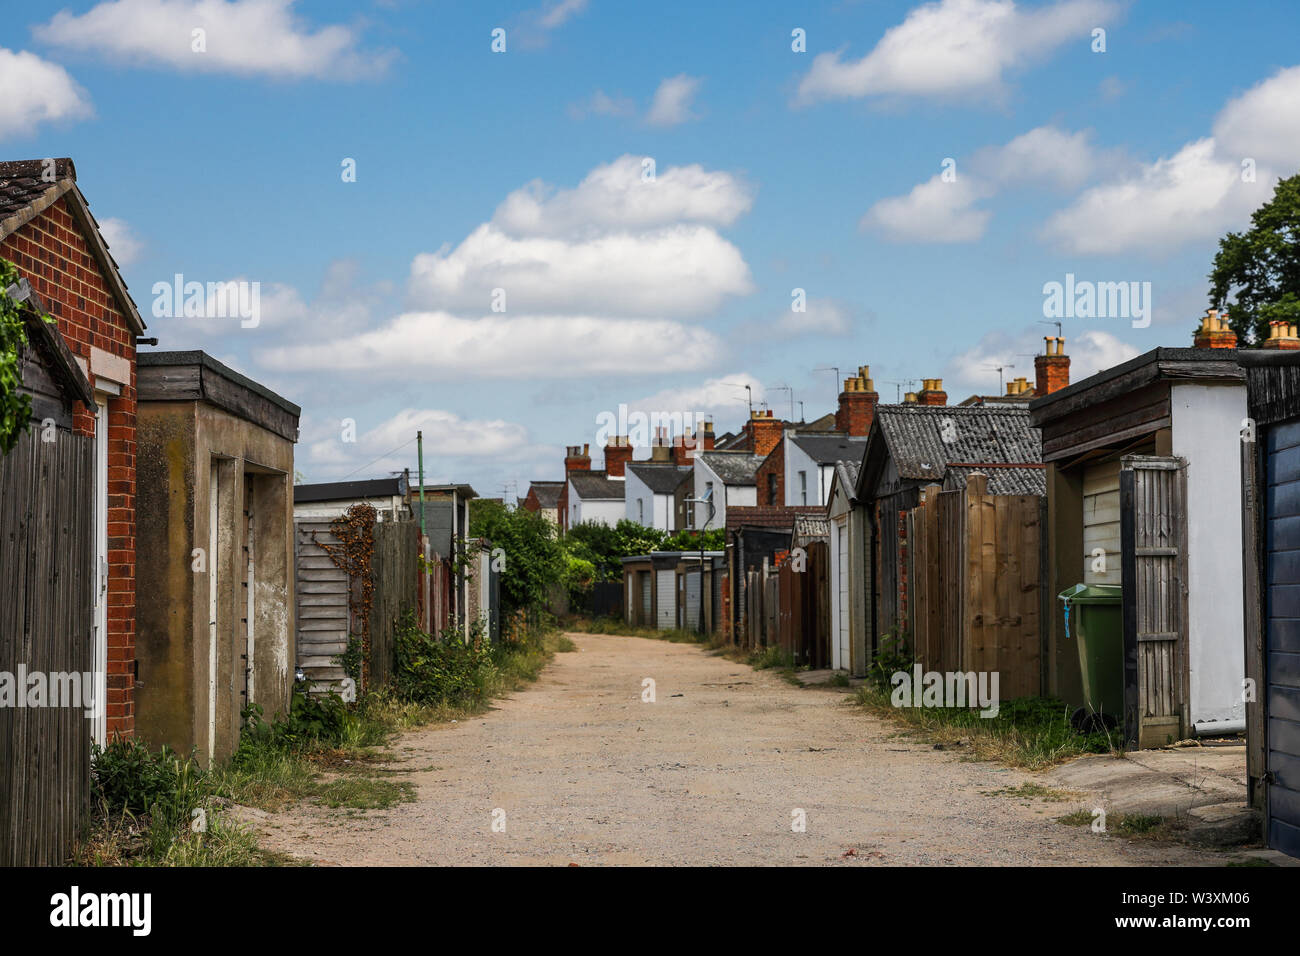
{"type": "Point", "coordinates": [1213, 728]}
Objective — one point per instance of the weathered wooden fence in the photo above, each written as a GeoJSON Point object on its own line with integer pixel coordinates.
{"type": "Point", "coordinates": [395, 565]}
{"type": "Point", "coordinates": [47, 551]}
{"type": "Point", "coordinates": [803, 616]}
{"type": "Point", "coordinates": [974, 568]}
{"type": "Point", "coordinates": [329, 599]}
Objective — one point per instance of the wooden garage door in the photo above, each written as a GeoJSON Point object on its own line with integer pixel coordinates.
{"type": "Point", "coordinates": [1282, 636]}
{"type": "Point", "coordinates": [1101, 523]}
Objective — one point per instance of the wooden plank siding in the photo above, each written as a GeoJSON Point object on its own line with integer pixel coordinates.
{"type": "Point", "coordinates": [47, 552]}
{"type": "Point", "coordinates": [976, 589]}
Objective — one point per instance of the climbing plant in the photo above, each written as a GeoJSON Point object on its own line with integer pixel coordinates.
{"type": "Point", "coordinates": [355, 531]}
{"type": "Point", "coordinates": [15, 407]}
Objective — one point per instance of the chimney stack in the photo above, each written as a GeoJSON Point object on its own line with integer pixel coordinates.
{"type": "Point", "coordinates": [577, 458]}
{"type": "Point", "coordinates": [1019, 387]}
{"type": "Point", "coordinates": [1215, 333]}
{"type": "Point", "coordinates": [932, 393]}
{"type": "Point", "coordinates": [1052, 368]}
{"type": "Point", "coordinates": [765, 432]}
{"type": "Point", "coordinates": [685, 447]}
{"type": "Point", "coordinates": [661, 450]}
{"type": "Point", "coordinates": [857, 408]}
{"type": "Point", "coordinates": [1281, 335]}
{"type": "Point", "coordinates": [618, 452]}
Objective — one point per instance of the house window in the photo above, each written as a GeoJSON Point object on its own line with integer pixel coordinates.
{"type": "Point", "coordinates": [771, 488]}
{"type": "Point", "coordinates": [803, 487]}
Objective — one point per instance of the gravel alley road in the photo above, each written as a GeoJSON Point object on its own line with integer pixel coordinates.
{"type": "Point", "coordinates": [580, 770]}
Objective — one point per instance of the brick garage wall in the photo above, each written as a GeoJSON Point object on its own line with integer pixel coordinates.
{"type": "Point", "coordinates": [52, 254]}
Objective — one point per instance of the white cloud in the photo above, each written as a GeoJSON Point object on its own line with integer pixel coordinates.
{"type": "Point", "coordinates": [436, 343]}
{"type": "Point", "coordinates": [37, 91]}
{"type": "Point", "coordinates": [955, 48]}
{"type": "Point", "coordinates": [672, 101]}
{"type": "Point", "coordinates": [934, 211]}
{"type": "Point", "coordinates": [617, 196]}
{"type": "Point", "coordinates": [676, 270]}
{"type": "Point", "coordinates": [1045, 154]}
{"type": "Point", "coordinates": [557, 13]}
{"type": "Point", "coordinates": [619, 243]}
{"type": "Point", "coordinates": [940, 210]}
{"type": "Point", "coordinates": [124, 245]}
{"type": "Point", "coordinates": [1197, 193]}
{"type": "Point", "coordinates": [974, 371]}
{"type": "Point", "coordinates": [246, 37]}
{"type": "Point", "coordinates": [1263, 124]}
{"type": "Point", "coordinates": [456, 444]}
{"type": "Point", "coordinates": [722, 399]}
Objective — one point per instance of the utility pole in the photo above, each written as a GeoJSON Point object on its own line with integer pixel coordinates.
{"type": "Point", "coordinates": [419, 445]}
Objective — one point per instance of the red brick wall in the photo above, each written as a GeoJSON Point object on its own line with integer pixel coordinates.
{"type": "Point", "coordinates": [52, 254]}
{"type": "Point", "coordinates": [773, 464]}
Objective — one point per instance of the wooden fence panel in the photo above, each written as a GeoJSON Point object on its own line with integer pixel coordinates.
{"type": "Point", "coordinates": [396, 570]}
{"type": "Point", "coordinates": [976, 592]}
{"type": "Point", "coordinates": [47, 553]}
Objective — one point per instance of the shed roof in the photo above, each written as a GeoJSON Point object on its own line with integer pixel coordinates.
{"type": "Point", "coordinates": [944, 444]}
{"type": "Point", "coordinates": [1156, 365]}
{"type": "Point", "coordinates": [197, 376]}
{"type": "Point", "coordinates": [349, 490]}
{"type": "Point", "coordinates": [662, 479]}
{"type": "Point", "coordinates": [733, 467]}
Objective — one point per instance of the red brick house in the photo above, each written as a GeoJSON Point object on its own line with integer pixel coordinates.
{"type": "Point", "coordinates": [48, 232]}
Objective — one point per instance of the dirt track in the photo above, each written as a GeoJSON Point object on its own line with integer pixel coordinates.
{"type": "Point", "coordinates": [710, 773]}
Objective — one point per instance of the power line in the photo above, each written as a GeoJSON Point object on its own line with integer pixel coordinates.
{"type": "Point", "coordinates": [380, 458]}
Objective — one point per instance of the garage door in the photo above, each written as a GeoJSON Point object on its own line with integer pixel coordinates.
{"type": "Point", "coordinates": [646, 603]}
{"type": "Point", "coordinates": [842, 584]}
{"type": "Point", "coordinates": [692, 622]}
{"type": "Point", "coordinates": [666, 594]}
{"type": "Point", "coordinates": [1282, 636]}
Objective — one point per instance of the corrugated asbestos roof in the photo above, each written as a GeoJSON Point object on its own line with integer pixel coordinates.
{"type": "Point", "coordinates": [661, 479]}
{"type": "Point", "coordinates": [944, 444]}
{"type": "Point", "coordinates": [734, 468]}
{"type": "Point", "coordinates": [595, 484]}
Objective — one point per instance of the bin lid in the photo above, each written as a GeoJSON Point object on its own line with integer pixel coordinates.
{"type": "Point", "coordinates": [1092, 594]}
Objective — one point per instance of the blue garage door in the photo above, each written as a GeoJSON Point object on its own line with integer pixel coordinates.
{"type": "Point", "coordinates": [1282, 641]}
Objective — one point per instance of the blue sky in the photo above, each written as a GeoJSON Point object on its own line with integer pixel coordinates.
{"type": "Point", "coordinates": [523, 171]}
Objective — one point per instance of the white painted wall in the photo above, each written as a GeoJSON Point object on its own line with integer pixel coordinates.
{"type": "Point", "coordinates": [658, 509]}
{"type": "Point", "coordinates": [819, 476]}
{"type": "Point", "coordinates": [796, 461]}
{"type": "Point", "coordinates": [609, 511]}
{"type": "Point", "coordinates": [839, 593]}
{"type": "Point", "coordinates": [1207, 432]}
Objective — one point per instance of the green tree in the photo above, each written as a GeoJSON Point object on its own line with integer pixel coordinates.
{"type": "Point", "coordinates": [534, 560]}
{"type": "Point", "coordinates": [1257, 273]}
{"type": "Point", "coordinates": [605, 546]}
{"type": "Point", "coordinates": [688, 539]}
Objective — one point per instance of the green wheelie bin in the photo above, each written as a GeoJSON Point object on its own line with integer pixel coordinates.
{"type": "Point", "coordinates": [1094, 619]}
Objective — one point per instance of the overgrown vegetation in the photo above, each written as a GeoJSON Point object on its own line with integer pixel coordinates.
{"type": "Point", "coordinates": [538, 558]}
{"type": "Point", "coordinates": [15, 407]}
{"type": "Point", "coordinates": [1029, 732]}
{"type": "Point", "coordinates": [164, 809]}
